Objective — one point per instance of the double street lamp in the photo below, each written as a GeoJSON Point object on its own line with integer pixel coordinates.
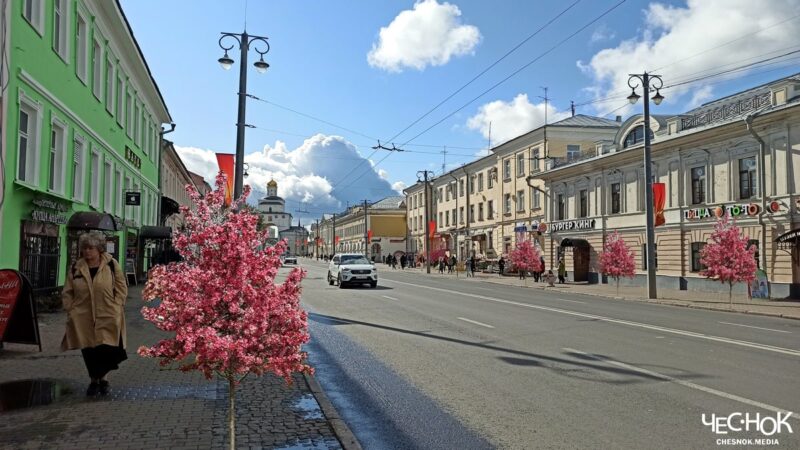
{"type": "Point", "coordinates": [648, 82]}
{"type": "Point", "coordinates": [244, 40]}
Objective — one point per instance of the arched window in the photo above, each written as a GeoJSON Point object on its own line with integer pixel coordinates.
{"type": "Point", "coordinates": [635, 136]}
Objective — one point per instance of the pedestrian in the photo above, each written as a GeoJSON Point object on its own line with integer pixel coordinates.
{"type": "Point", "coordinates": [521, 273]}
{"type": "Point", "coordinates": [550, 278]}
{"type": "Point", "coordinates": [441, 265]}
{"type": "Point", "coordinates": [468, 264]}
{"type": "Point", "coordinates": [94, 297]}
{"type": "Point", "coordinates": [472, 264]}
{"type": "Point", "coordinates": [542, 272]}
{"type": "Point", "coordinates": [536, 276]}
{"type": "Point", "coordinates": [403, 262]}
{"type": "Point", "coordinates": [562, 271]}
{"type": "Point", "coordinates": [502, 265]}
{"type": "Point", "coordinates": [453, 262]}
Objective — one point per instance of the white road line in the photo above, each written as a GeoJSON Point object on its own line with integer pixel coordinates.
{"type": "Point", "coordinates": [758, 328]}
{"type": "Point", "coordinates": [683, 383]}
{"type": "Point", "coordinates": [475, 322]}
{"type": "Point", "coordinates": [390, 298]}
{"type": "Point", "coordinates": [771, 348]}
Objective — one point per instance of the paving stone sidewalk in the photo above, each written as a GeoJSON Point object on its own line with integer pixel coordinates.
{"type": "Point", "coordinates": [692, 299]}
{"type": "Point", "coordinates": [152, 408]}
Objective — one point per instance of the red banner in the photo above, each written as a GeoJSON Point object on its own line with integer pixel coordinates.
{"type": "Point", "coordinates": [337, 240]}
{"type": "Point", "coordinates": [432, 227]}
{"type": "Point", "coordinates": [369, 235]}
{"type": "Point", "coordinates": [226, 162]}
{"type": "Point", "coordinates": [659, 201]}
{"type": "Point", "coordinates": [10, 288]}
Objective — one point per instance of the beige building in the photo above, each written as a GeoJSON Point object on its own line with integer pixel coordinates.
{"type": "Point", "coordinates": [415, 201]}
{"type": "Point", "coordinates": [174, 179]}
{"type": "Point", "coordinates": [709, 162]}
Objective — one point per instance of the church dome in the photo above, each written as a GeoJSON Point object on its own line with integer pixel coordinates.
{"type": "Point", "coordinates": [272, 184]}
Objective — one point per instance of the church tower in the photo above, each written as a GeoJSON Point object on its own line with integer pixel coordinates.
{"type": "Point", "coordinates": [272, 188]}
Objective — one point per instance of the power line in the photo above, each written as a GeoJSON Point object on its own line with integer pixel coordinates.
{"type": "Point", "coordinates": [733, 70]}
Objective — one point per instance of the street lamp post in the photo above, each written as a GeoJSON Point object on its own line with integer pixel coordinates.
{"type": "Point", "coordinates": [423, 175]}
{"type": "Point", "coordinates": [244, 40]}
{"type": "Point", "coordinates": [646, 79]}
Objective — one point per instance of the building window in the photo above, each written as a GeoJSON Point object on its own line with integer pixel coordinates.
{"type": "Point", "coordinates": [461, 187]}
{"type": "Point", "coordinates": [480, 182]}
{"type": "Point", "coordinates": [490, 209]}
{"type": "Point", "coordinates": [461, 215]}
{"type": "Point", "coordinates": [94, 189]}
{"type": "Point", "coordinates": [697, 248]}
{"type": "Point", "coordinates": [81, 42]}
{"type": "Point", "coordinates": [635, 136]}
{"type": "Point", "coordinates": [32, 11]}
{"type": "Point", "coordinates": [698, 185]}
{"type": "Point", "coordinates": [573, 152]}
{"type": "Point", "coordinates": [507, 204]}
{"type": "Point", "coordinates": [120, 101]}
{"type": "Point", "coordinates": [754, 243]}
{"type": "Point", "coordinates": [446, 218]}
{"type": "Point", "coordinates": [108, 191]}
{"type": "Point", "coordinates": [60, 28]}
{"type": "Point", "coordinates": [583, 206]}
{"type": "Point", "coordinates": [561, 207]}
{"type": "Point", "coordinates": [441, 219]}
{"type": "Point", "coordinates": [109, 86]}
{"type": "Point", "coordinates": [535, 161]}
{"type": "Point", "coordinates": [747, 178]}
{"type": "Point", "coordinates": [137, 211]}
{"type": "Point", "coordinates": [535, 199]}
{"type": "Point", "coordinates": [128, 115]}
{"type": "Point", "coordinates": [78, 164]}
{"type": "Point", "coordinates": [490, 176]}
{"type": "Point", "coordinates": [471, 213]}
{"type": "Point", "coordinates": [27, 153]}
{"type": "Point", "coordinates": [644, 255]}
{"type": "Point", "coordinates": [58, 144]}
{"type": "Point", "coordinates": [480, 212]}
{"type": "Point", "coordinates": [441, 194]}
{"type": "Point", "coordinates": [520, 201]}
{"type": "Point", "coordinates": [520, 164]}
{"type": "Point", "coordinates": [137, 121]}
{"type": "Point", "coordinates": [507, 169]}
{"type": "Point", "coordinates": [616, 198]}
{"type": "Point", "coordinates": [118, 205]}
{"type": "Point", "coordinates": [97, 70]}
{"type": "Point", "coordinates": [472, 184]}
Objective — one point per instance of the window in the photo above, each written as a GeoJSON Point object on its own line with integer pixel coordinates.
{"type": "Point", "coordinates": [754, 243]}
{"type": "Point", "coordinates": [507, 169]}
{"type": "Point", "coordinates": [490, 209]}
{"type": "Point", "coordinates": [616, 197]}
{"type": "Point", "coordinates": [446, 218]}
{"type": "Point", "coordinates": [507, 204]}
{"type": "Point", "coordinates": [441, 194]}
{"type": "Point", "coordinates": [454, 217]}
{"type": "Point", "coordinates": [698, 185]}
{"type": "Point", "coordinates": [472, 184]}
{"type": "Point", "coordinates": [480, 182]}
{"type": "Point", "coordinates": [471, 213]}
{"type": "Point", "coordinates": [137, 120]}
{"type": "Point", "coordinates": [32, 11]}
{"type": "Point", "coordinates": [520, 201]}
{"type": "Point", "coordinates": [561, 205]}
{"type": "Point", "coordinates": [118, 204]}
{"type": "Point", "coordinates": [120, 101]}
{"type": "Point", "coordinates": [535, 161]}
{"type": "Point", "coordinates": [573, 152]}
{"type": "Point", "coordinates": [58, 144]}
{"type": "Point", "coordinates": [490, 178]}
{"type": "Point", "coordinates": [536, 199]}
{"type": "Point", "coordinates": [461, 187]}
{"type": "Point", "coordinates": [583, 205]}
{"type": "Point", "coordinates": [108, 191]}
{"type": "Point", "coordinates": [128, 115]}
{"type": "Point", "coordinates": [635, 136]}
{"type": "Point", "coordinates": [60, 28]}
{"type": "Point", "coordinates": [94, 188]}
{"type": "Point", "coordinates": [81, 41]}
{"type": "Point", "coordinates": [27, 150]}
{"type": "Point", "coordinates": [489, 235]}
{"type": "Point", "coordinates": [697, 248]}
{"type": "Point", "coordinates": [109, 86]}
{"type": "Point", "coordinates": [461, 215]}
{"type": "Point", "coordinates": [480, 212]}
{"type": "Point", "coordinates": [644, 255]}
{"type": "Point", "coordinates": [520, 164]}
{"type": "Point", "coordinates": [441, 219]}
{"type": "Point", "coordinates": [97, 71]}
{"type": "Point", "coordinates": [747, 178]}
{"type": "Point", "coordinates": [137, 210]}
{"type": "Point", "coordinates": [78, 165]}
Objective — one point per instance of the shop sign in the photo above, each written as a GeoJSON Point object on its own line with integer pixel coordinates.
{"type": "Point", "coordinates": [47, 216]}
{"type": "Point", "coordinates": [737, 210]}
{"type": "Point", "coordinates": [132, 158]}
{"type": "Point", "coordinates": [520, 228]}
{"type": "Point", "coordinates": [18, 320]}
{"type": "Point", "coordinates": [572, 225]}
{"type": "Point", "coordinates": [49, 204]}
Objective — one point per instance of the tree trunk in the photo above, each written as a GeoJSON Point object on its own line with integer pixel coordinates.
{"type": "Point", "coordinates": [617, 286]}
{"type": "Point", "coordinates": [730, 295]}
{"type": "Point", "coordinates": [231, 414]}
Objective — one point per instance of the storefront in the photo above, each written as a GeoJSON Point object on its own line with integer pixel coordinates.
{"type": "Point", "coordinates": [40, 245]}
{"type": "Point", "coordinates": [790, 242]}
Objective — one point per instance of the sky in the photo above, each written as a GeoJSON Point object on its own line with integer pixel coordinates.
{"type": "Point", "coordinates": [346, 75]}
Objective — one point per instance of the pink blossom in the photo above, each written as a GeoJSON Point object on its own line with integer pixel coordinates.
{"type": "Point", "coordinates": [617, 259]}
{"type": "Point", "coordinates": [525, 257]}
{"type": "Point", "coordinates": [727, 257]}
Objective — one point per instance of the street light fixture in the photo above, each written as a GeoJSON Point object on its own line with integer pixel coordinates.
{"type": "Point", "coordinates": [245, 41]}
{"type": "Point", "coordinates": [645, 79]}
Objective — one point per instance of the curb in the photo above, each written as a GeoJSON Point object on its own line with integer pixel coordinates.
{"type": "Point", "coordinates": [346, 437]}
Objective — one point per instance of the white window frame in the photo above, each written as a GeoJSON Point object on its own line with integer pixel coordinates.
{"type": "Point", "coordinates": [137, 123]}
{"type": "Point", "coordinates": [37, 15]}
{"type": "Point", "coordinates": [506, 169]}
{"type": "Point", "coordinates": [137, 211]}
{"type": "Point", "coordinates": [571, 149]}
{"type": "Point", "coordinates": [536, 201]}
{"type": "Point", "coordinates": [57, 156]}
{"type": "Point", "coordinates": [108, 185]}
{"type": "Point", "coordinates": [520, 164]}
{"type": "Point", "coordinates": [520, 198]}
{"type": "Point", "coordinates": [535, 161]}
{"type": "Point", "coordinates": [95, 178]}
{"type": "Point", "coordinates": [507, 204]}
{"type": "Point", "coordinates": [62, 9]}
{"type": "Point", "coordinates": [33, 140]}
{"type": "Point", "coordinates": [480, 182]}
{"type": "Point", "coordinates": [111, 87]}
{"type": "Point", "coordinates": [98, 63]}
{"type": "Point", "coordinates": [79, 168]}
{"type": "Point", "coordinates": [129, 114]}
{"type": "Point", "coordinates": [81, 48]}
{"type": "Point", "coordinates": [127, 209]}
{"type": "Point", "coordinates": [120, 94]}
{"type": "Point", "coordinates": [118, 175]}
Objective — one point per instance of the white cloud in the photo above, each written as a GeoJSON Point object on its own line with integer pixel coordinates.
{"type": "Point", "coordinates": [316, 173]}
{"type": "Point", "coordinates": [428, 35]}
{"type": "Point", "coordinates": [602, 33]}
{"type": "Point", "coordinates": [671, 37]}
{"type": "Point", "coordinates": [399, 186]}
{"type": "Point", "coordinates": [511, 119]}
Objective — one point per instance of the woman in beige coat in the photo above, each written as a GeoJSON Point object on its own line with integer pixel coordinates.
{"type": "Point", "coordinates": [94, 297]}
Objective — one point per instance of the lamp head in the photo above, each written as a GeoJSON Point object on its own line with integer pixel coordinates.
{"type": "Point", "coordinates": [226, 62]}
{"type": "Point", "coordinates": [658, 98]}
{"type": "Point", "coordinates": [261, 65]}
{"type": "Point", "coordinates": [634, 97]}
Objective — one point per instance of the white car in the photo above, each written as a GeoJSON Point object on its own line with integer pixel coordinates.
{"type": "Point", "coordinates": [290, 259]}
{"type": "Point", "coordinates": [352, 268]}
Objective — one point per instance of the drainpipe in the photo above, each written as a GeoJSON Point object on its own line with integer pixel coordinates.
{"type": "Point", "coordinates": [160, 159]}
{"type": "Point", "coordinates": [762, 186]}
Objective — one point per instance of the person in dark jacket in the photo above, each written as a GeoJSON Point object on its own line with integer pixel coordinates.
{"type": "Point", "coordinates": [501, 265]}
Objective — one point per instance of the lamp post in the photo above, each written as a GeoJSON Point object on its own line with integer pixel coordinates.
{"type": "Point", "coordinates": [244, 40]}
{"type": "Point", "coordinates": [646, 79]}
{"type": "Point", "coordinates": [423, 175]}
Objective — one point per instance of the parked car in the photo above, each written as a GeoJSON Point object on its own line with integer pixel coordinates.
{"type": "Point", "coordinates": [352, 268]}
{"type": "Point", "coordinates": [289, 259]}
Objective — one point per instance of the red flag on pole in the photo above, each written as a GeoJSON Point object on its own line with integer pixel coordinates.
{"type": "Point", "coordinates": [432, 226]}
{"type": "Point", "coordinates": [337, 240]}
{"type": "Point", "coordinates": [226, 162]}
{"type": "Point", "coordinates": [369, 235]}
{"type": "Point", "coordinates": [659, 201]}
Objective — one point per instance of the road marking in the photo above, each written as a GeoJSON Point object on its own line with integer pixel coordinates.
{"type": "Point", "coordinates": [475, 322]}
{"type": "Point", "coordinates": [771, 348]}
{"type": "Point", "coordinates": [758, 328]}
{"type": "Point", "coordinates": [687, 384]}
{"type": "Point", "coordinates": [390, 298]}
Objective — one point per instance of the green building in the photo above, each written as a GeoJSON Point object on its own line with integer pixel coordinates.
{"type": "Point", "coordinates": [80, 131]}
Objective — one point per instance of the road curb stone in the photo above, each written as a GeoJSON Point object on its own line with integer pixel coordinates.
{"type": "Point", "coordinates": [343, 433]}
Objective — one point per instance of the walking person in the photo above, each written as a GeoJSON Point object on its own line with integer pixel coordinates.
{"type": "Point", "coordinates": [403, 262]}
{"type": "Point", "coordinates": [521, 273]}
{"type": "Point", "coordinates": [542, 272]}
{"type": "Point", "coordinates": [501, 265]}
{"type": "Point", "coordinates": [468, 268]}
{"type": "Point", "coordinates": [94, 297]}
{"type": "Point", "coordinates": [562, 271]}
{"type": "Point", "coordinates": [472, 264]}
{"type": "Point", "coordinates": [441, 265]}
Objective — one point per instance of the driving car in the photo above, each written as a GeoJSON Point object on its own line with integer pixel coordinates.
{"type": "Point", "coordinates": [289, 259]}
{"type": "Point", "coordinates": [352, 268]}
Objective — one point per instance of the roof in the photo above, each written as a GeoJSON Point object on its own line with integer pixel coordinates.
{"type": "Point", "coordinates": [761, 89]}
{"type": "Point", "coordinates": [393, 202]}
{"type": "Point", "coordinates": [582, 120]}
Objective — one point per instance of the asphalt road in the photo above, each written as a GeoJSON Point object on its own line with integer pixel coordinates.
{"type": "Point", "coordinates": [431, 362]}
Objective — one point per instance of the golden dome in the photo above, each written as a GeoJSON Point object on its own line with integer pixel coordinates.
{"type": "Point", "coordinates": [272, 183]}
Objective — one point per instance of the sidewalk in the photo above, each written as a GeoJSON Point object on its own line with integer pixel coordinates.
{"type": "Point", "coordinates": [691, 299]}
{"type": "Point", "coordinates": [153, 408]}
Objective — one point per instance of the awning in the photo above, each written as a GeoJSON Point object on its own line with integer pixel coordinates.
{"type": "Point", "coordinates": [789, 240]}
{"type": "Point", "coordinates": [169, 207]}
{"type": "Point", "coordinates": [149, 232]}
{"type": "Point", "coordinates": [576, 243]}
{"type": "Point", "coordinates": [87, 220]}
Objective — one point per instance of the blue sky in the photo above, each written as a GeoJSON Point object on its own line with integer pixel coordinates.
{"type": "Point", "coordinates": [320, 67]}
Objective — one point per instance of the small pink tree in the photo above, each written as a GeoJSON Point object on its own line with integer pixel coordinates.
{"type": "Point", "coordinates": [525, 257]}
{"type": "Point", "coordinates": [229, 317]}
{"type": "Point", "coordinates": [617, 259]}
{"type": "Point", "coordinates": [727, 257]}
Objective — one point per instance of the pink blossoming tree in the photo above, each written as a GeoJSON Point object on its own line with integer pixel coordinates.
{"type": "Point", "coordinates": [617, 259]}
{"type": "Point", "coordinates": [727, 257]}
{"type": "Point", "coordinates": [525, 257]}
{"type": "Point", "coordinates": [228, 316]}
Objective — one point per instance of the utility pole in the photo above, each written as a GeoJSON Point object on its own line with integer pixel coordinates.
{"type": "Point", "coordinates": [316, 242]}
{"type": "Point", "coordinates": [444, 158]}
{"type": "Point", "coordinates": [366, 230]}
{"type": "Point", "coordinates": [333, 238]}
{"type": "Point", "coordinates": [489, 147]}
{"type": "Point", "coordinates": [425, 174]}
{"type": "Point", "coordinates": [572, 107]}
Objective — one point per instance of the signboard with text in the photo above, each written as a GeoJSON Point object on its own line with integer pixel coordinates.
{"type": "Point", "coordinates": [572, 225]}
{"type": "Point", "coordinates": [737, 210]}
{"type": "Point", "coordinates": [18, 321]}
